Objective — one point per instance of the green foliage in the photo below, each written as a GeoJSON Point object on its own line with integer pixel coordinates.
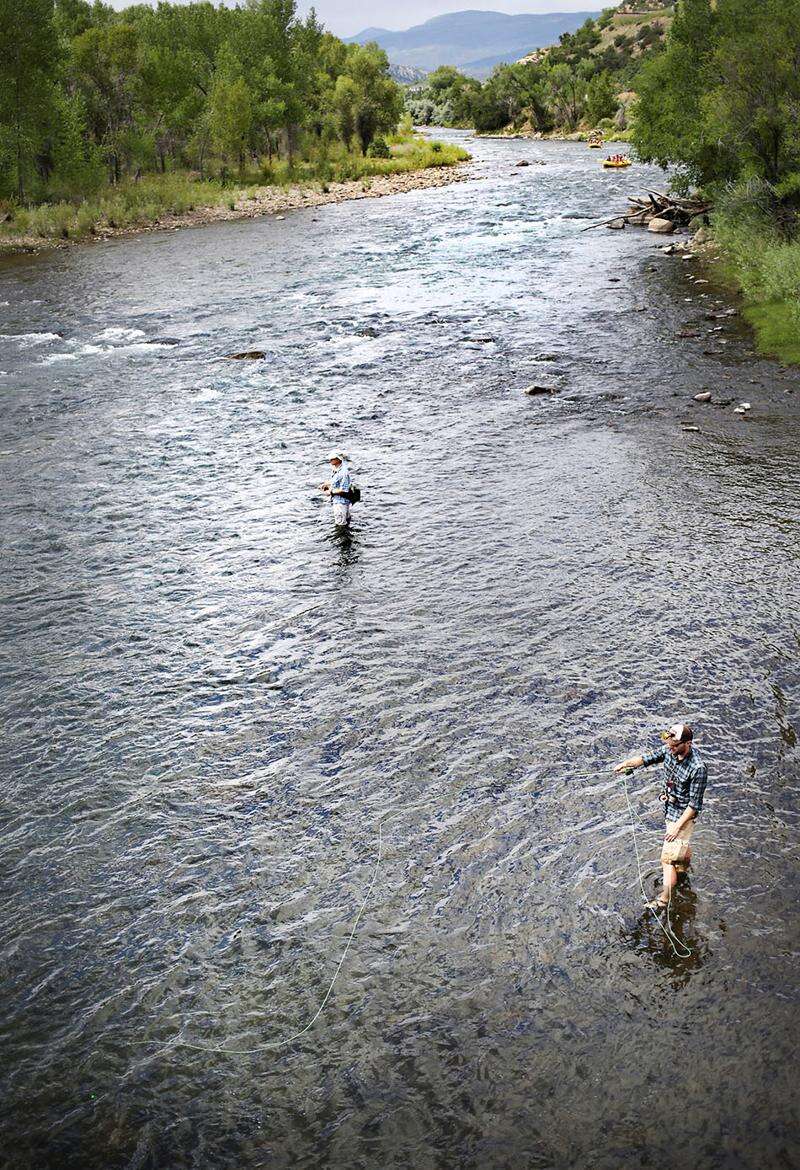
{"type": "Point", "coordinates": [29, 61]}
{"type": "Point", "coordinates": [379, 148]}
{"type": "Point", "coordinates": [89, 94]}
{"type": "Point", "coordinates": [601, 98]}
{"type": "Point", "coordinates": [723, 101]}
{"type": "Point", "coordinates": [132, 203]}
{"type": "Point", "coordinates": [574, 83]}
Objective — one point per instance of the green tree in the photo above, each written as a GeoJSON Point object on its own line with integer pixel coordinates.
{"type": "Point", "coordinates": [230, 109]}
{"type": "Point", "coordinates": [104, 68]}
{"type": "Point", "coordinates": [753, 109]}
{"type": "Point", "coordinates": [670, 121]}
{"type": "Point", "coordinates": [378, 101]}
{"type": "Point", "coordinates": [29, 60]}
{"type": "Point", "coordinates": [601, 98]}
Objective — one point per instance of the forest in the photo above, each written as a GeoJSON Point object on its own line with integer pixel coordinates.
{"type": "Point", "coordinates": [92, 98]}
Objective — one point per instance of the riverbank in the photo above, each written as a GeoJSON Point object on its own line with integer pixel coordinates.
{"type": "Point", "coordinates": [765, 268]}
{"type": "Point", "coordinates": [190, 210]}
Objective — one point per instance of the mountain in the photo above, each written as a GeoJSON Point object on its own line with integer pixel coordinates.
{"type": "Point", "coordinates": [407, 74]}
{"type": "Point", "coordinates": [473, 40]}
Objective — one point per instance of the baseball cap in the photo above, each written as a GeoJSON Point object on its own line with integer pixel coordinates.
{"type": "Point", "coordinates": [679, 732]}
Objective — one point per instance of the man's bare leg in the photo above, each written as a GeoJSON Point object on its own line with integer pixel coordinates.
{"type": "Point", "coordinates": [670, 878]}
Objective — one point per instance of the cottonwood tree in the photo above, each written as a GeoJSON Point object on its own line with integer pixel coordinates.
{"type": "Point", "coordinates": [29, 61]}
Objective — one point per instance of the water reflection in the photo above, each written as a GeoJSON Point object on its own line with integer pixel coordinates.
{"type": "Point", "coordinates": [649, 935]}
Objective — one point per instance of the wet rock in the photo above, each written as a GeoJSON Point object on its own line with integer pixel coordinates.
{"type": "Point", "coordinates": [691, 430]}
{"type": "Point", "coordinates": [368, 331]}
{"type": "Point", "coordinates": [249, 355]}
{"type": "Point", "coordinates": [617, 225]}
{"type": "Point", "coordinates": [662, 226]}
{"type": "Point", "coordinates": [722, 401]}
{"type": "Point", "coordinates": [523, 162]}
{"type": "Point", "coordinates": [705, 396]}
{"type": "Point", "coordinates": [532, 390]}
{"type": "Point", "coordinates": [684, 333]}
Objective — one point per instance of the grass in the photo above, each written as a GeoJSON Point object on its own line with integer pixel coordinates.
{"type": "Point", "coordinates": [766, 268]}
{"type": "Point", "coordinates": [145, 202]}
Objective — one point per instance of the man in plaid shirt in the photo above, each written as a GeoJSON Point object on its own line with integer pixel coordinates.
{"type": "Point", "coordinates": [685, 777]}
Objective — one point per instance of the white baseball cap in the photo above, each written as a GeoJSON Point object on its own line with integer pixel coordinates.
{"type": "Point", "coordinates": [679, 732]}
{"type": "Point", "coordinates": [337, 455]}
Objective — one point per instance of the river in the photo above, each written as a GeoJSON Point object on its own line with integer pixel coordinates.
{"type": "Point", "coordinates": [212, 701]}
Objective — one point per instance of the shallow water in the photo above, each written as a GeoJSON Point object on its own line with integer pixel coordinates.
{"type": "Point", "coordinates": [211, 699]}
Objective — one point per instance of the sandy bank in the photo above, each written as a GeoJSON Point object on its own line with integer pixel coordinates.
{"type": "Point", "coordinates": [259, 202]}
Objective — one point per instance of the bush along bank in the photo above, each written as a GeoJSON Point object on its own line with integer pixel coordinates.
{"type": "Point", "coordinates": [764, 263]}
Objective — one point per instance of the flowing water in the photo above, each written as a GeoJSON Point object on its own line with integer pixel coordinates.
{"type": "Point", "coordinates": [212, 699]}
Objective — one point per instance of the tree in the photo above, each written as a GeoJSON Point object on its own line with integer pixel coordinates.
{"type": "Point", "coordinates": [29, 60]}
{"type": "Point", "coordinates": [754, 107]}
{"type": "Point", "coordinates": [378, 102]}
{"type": "Point", "coordinates": [723, 101]}
{"type": "Point", "coordinates": [568, 93]}
{"type": "Point", "coordinates": [104, 69]}
{"type": "Point", "coordinates": [601, 98]}
{"type": "Point", "coordinates": [230, 108]}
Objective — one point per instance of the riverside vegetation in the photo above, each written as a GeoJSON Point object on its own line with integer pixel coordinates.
{"type": "Point", "coordinates": [584, 82]}
{"type": "Point", "coordinates": [722, 106]}
{"type": "Point", "coordinates": [109, 120]}
{"type": "Point", "coordinates": [711, 89]}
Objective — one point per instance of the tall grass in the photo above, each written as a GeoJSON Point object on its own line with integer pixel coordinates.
{"type": "Point", "coordinates": [138, 203]}
{"type": "Point", "coordinates": [765, 266]}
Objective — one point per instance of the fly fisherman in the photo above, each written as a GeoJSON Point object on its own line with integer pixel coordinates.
{"type": "Point", "coordinates": [685, 777]}
{"type": "Point", "coordinates": [339, 488]}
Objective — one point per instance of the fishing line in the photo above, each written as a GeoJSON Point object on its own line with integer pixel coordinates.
{"type": "Point", "coordinates": [291, 1039]}
{"type": "Point", "coordinates": [684, 952]}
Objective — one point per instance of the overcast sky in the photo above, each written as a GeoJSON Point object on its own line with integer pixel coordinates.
{"type": "Point", "coordinates": [346, 17]}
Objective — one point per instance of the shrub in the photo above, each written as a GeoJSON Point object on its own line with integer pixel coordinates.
{"type": "Point", "coordinates": [379, 148]}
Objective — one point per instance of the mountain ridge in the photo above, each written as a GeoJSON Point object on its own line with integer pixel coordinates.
{"type": "Point", "coordinates": [476, 39]}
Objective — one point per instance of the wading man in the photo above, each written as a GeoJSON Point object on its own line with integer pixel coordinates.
{"type": "Point", "coordinates": [685, 777]}
{"type": "Point", "coordinates": [339, 488]}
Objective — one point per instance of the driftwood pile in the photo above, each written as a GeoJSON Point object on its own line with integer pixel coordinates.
{"type": "Point", "coordinates": [669, 210]}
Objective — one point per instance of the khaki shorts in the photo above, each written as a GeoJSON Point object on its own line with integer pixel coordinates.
{"type": "Point", "coordinates": [677, 852]}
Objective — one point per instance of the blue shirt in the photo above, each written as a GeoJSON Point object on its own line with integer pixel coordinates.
{"type": "Point", "coordinates": [684, 781]}
{"type": "Point", "coordinates": [340, 482]}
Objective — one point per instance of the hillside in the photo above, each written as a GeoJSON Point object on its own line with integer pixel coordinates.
{"type": "Point", "coordinates": [624, 27]}
{"type": "Point", "coordinates": [473, 41]}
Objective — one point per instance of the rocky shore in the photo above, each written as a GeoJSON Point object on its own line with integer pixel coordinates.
{"type": "Point", "coordinates": [262, 201]}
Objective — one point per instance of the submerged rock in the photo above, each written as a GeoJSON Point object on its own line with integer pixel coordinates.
{"type": "Point", "coordinates": [250, 355]}
{"type": "Point", "coordinates": [531, 390]}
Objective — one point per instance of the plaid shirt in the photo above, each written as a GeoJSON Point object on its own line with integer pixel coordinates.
{"type": "Point", "coordinates": [684, 781]}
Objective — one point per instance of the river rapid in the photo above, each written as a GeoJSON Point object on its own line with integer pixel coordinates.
{"type": "Point", "coordinates": [212, 700]}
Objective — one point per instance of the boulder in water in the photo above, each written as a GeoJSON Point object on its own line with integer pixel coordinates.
{"type": "Point", "coordinates": [662, 226]}
{"type": "Point", "coordinates": [249, 355]}
{"type": "Point", "coordinates": [531, 390]}
{"type": "Point", "coordinates": [705, 396]}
